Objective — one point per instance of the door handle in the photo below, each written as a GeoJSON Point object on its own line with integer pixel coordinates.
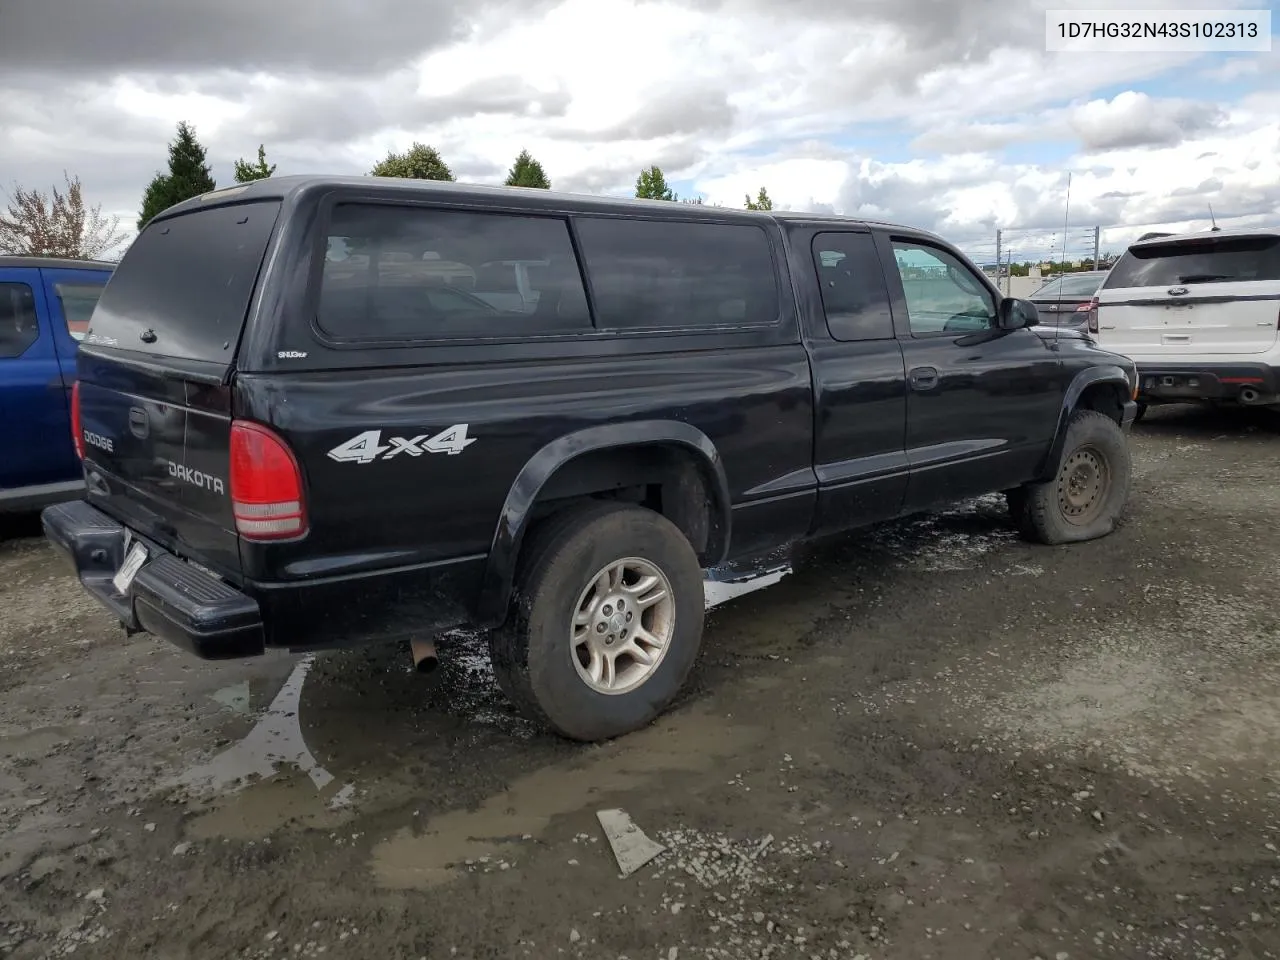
{"type": "Point", "coordinates": [923, 378]}
{"type": "Point", "coordinates": [139, 426]}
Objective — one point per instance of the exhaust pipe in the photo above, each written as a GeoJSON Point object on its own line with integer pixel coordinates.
{"type": "Point", "coordinates": [1248, 395]}
{"type": "Point", "coordinates": [424, 655]}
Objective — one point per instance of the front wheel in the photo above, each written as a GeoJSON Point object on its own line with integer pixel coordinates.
{"type": "Point", "coordinates": [606, 623]}
{"type": "Point", "coordinates": [1089, 492]}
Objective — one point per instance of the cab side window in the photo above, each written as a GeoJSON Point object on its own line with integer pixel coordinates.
{"type": "Point", "coordinates": [417, 273]}
{"type": "Point", "coordinates": [943, 295]}
{"type": "Point", "coordinates": [855, 297]}
{"type": "Point", "coordinates": [678, 275]}
{"type": "Point", "coordinates": [19, 327]}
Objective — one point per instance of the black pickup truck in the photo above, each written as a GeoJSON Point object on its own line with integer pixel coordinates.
{"type": "Point", "coordinates": [318, 411]}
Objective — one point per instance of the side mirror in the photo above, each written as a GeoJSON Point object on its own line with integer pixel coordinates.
{"type": "Point", "coordinates": [1016, 314]}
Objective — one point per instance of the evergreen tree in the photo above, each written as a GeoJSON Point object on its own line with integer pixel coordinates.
{"type": "Point", "coordinates": [652, 185]}
{"type": "Point", "coordinates": [527, 172]}
{"type": "Point", "coordinates": [247, 172]}
{"type": "Point", "coordinates": [761, 202]}
{"type": "Point", "coordinates": [189, 176]}
{"type": "Point", "coordinates": [419, 162]}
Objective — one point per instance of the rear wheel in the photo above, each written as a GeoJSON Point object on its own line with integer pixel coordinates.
{"type": "Point", "coordinates": [606, 621]}
{"type": "Point", "coordinates": [1142, 412]}
{"type": "Point", "coordinates": [1089, 491]}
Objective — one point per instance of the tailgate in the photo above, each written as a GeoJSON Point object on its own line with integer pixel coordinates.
{"type": "Point", "coordinates": [156, 452]}
{"type": "Point", "coordinates": [154, 373]}
{"type": "Point", "coordinates": [1193, 296]}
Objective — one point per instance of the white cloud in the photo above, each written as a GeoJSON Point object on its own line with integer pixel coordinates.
{"type": "Point", "coordinates": [1131, 118]}
{"type": "Point", "coordinates": [1135, 119]}
{"type": "Point", "coordinates": [730, 94]}
{"type": "Point", "coordinates": [1235, 168]}
{"type": "Point", "coordinates": [1245, 67]}
{"type": "Point", "coordinates": [794, 184]}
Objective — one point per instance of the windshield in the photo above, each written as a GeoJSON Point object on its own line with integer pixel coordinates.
{"type": "Point", "coordinates": [1209, 260]}
{"type": "Point", "coordinates": [1072, 285]}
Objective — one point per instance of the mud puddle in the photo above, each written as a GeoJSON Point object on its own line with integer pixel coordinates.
{"type": "Point", "coordinates": [491, 835]}
{"type": "Point", "coordinates": [235, 782]}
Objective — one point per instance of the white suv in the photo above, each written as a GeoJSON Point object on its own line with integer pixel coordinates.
{"type": "Point", "coordinates": [1200, 316]}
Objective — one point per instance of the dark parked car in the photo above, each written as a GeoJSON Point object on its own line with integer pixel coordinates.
{"type": "Point", "coordinates": [45, 305]}
{"type": "Point", "coordinates": [304, 427]}
{"type": "Point", "coordinates": [1065, 301]}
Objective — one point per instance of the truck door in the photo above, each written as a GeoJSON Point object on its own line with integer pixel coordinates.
{"type": "Point", "coordinates": [859, 381]}
{"type": "Point", "coordinates": [71, 296]}
{"type": "Point", "coordinates": [982, 404]}
{"type": "Point", "coordinates": [35, 425]}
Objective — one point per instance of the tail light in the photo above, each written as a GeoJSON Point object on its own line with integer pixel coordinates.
{"type": "Point", "coordinates": [266, 485]}
{"type": "Point", "coordinates": [77, 428]}
{"type": "Point", "coordinates": [1092, 308]}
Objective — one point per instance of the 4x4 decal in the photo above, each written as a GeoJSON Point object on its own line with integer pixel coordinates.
{"type": "Point", "coordinates": [368, 446]}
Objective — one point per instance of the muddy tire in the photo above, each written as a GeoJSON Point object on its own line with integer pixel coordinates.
{"type": "Point", "coordinates": [1089, 490]}
{"type": "Point", "coordinates": [606, 621]}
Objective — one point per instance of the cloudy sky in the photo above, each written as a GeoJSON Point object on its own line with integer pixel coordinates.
{"type": "Point", "coordinates": [946, 114]}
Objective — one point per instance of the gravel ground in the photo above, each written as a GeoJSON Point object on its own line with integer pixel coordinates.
{"type": "Point", "coordinates": [930, 740]}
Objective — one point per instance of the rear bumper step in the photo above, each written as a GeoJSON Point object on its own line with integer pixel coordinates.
{"type": "Point", "coordinates": [168, 598]}
{"type": "Point", "coordinates": [1250, 383]}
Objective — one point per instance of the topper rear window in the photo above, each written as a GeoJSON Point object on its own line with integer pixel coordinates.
{"type": "Point", "coordinates": [183, 287]}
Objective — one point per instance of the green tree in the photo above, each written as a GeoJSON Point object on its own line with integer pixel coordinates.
{"type": "Point", "coordinates": [761, 202]}
{"type": "Point", "coordinates": [419, 162]}
{"type": "Point", "coordinates": [189, 176]}
{"type": "Point", "coordinates": [652, 185]}
{"type": "Point", "coordinates": [527, 172]}
{"type": "Point", "coordinates": [246, 171]}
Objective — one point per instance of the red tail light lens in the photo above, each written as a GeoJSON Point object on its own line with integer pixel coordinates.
{"type": "Point", "coordinates": [1093, 315]}
{"type": "Point", "coordinates": [77, 428]}
{"type": "Point", "coordinates": [266, 485]}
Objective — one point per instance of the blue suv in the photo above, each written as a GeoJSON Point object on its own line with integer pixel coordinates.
{"type": "Point", "coordinates": [45, 305]}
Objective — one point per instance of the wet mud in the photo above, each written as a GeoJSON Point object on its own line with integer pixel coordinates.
{"type": "Point", "coordinates": [926, 740]}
